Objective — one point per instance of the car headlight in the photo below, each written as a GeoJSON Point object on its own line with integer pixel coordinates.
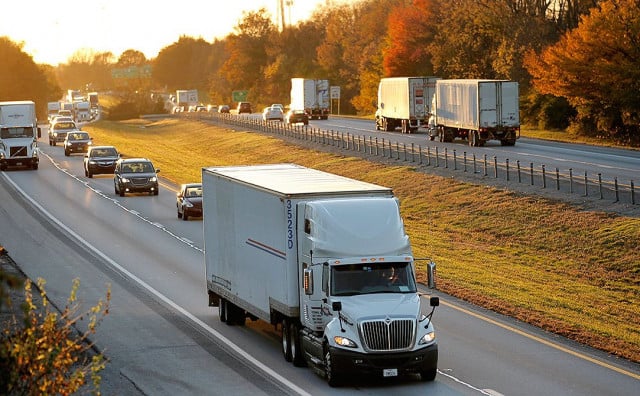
{"type": "Point", "coordinates": [125, 180]}
{"type": "Point", "coordinates": [344, 341]}
{"type": "Point", "coordinates": [153, 179]}
{"type": "Point", "coordinates": [427, 338]}
{"type": "Point", "coordinates": [93, 162]}
{"type": "Point", "coordinates": [188, 204]}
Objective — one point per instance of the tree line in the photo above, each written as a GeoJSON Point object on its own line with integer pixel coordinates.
{"type": "Point", "coordinates": [576, 61]}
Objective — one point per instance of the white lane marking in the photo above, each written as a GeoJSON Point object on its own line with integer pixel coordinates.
{"type": "Point", "coordinates": [161, 296]}
{"type": "Point", "coordinates": [542, 340]}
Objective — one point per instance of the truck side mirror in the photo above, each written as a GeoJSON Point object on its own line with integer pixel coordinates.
{"type": "Point", "coordinates": [308, 281]}
{"type": "Point", "coordinates": [336, 306]}
{"type": "Point", "coordinates": [431, 275]}
{"type": "Point", "coordinates": [434, 301]}
{"type": "Point", "coordinates": [39, 133]}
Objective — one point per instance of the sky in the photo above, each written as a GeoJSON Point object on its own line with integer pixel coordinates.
{"type": "Point", "coordinates": [52, 31]}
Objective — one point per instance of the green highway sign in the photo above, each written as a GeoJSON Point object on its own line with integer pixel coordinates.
{"type": "Point", "coordinates": [239, 96]}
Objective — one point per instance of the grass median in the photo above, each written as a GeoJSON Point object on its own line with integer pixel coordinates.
{"type": "Point", "coordinates": [573, 272]}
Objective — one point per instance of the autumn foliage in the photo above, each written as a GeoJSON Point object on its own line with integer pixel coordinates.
{"type": "Point", "coordinates": [576, 61]}
{"type": "Point", "coordinates": [44, 354]}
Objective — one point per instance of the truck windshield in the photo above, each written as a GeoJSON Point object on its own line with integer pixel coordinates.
{"type": "Point", "coordinates": [353, 279]}
{"type": "Point", "coordinates": [18, 132]}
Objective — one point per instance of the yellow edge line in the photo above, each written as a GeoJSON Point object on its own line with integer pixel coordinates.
{"type": "Point", "coordinates": [543, 341]}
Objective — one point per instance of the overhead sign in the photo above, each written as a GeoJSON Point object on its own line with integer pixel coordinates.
{"type": "Point", "coordinates": [131, 72]}
{"type": "Point", "coordinates": [239, 96]}
{"type": "Point", "coordinates": [334, 92]}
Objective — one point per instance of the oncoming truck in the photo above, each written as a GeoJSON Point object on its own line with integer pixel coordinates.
{"type": "Point", "coordinates": [19, 133]}
{"type": "Point", "coordinates": [326, 259]}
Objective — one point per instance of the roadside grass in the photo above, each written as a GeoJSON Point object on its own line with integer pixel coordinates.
{"type": "Point", "coordinates": [569, 271]}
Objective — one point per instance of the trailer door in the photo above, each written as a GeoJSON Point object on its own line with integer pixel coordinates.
{"type": "Point", "coordinates": [488, 104]}
{"type": "Point", "coordinates": [509, 106]}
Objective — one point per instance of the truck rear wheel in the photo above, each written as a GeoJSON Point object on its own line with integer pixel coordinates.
{"type": "Point", "coordinates": [222, 310]}
{"type": "Point", "coordinates": [297, 355]}
{"type": "Point", "coordinates": [286, 340]}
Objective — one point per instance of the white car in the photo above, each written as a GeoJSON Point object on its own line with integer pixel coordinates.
{"type": "Point", "coordinates": [273, 113]}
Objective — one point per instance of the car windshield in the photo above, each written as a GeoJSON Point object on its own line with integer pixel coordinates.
{"type": "Point", "coordinates": [104, 152]}
{"type": "Point", "coordinates": [18, 132]}
{"type": "Point", "coordinates": [137, 167]}
{"type": "Point", "coordinates": [353, 279]}
{"type": "Point", "coordinates": [78, 136]}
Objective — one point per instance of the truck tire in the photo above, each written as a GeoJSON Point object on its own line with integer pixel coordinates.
{"type": "Point", "coordinates": [222, 310]}
{"type": "Point", "coordinates": [297, 355]}
{"type": "Point", "coordinates": [428, 375]}
{"type": "Point", "coordinates": [286, 340]}
{"type": "Point", "coordinates": [332, 375]}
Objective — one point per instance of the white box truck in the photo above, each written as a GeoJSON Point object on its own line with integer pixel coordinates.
{"type": "Point", "coordinates": [405, 103]}
{"type": "Point", "coordinates": [323, 257]}
{"type": "Point", "coordinates": [477, 110]}
{"type": "Point", "coordinates": [311, 96]}
{"type": "Point", "coordinates": [19, 133]}
{"type": "Point", "coordinates": [52, 109]}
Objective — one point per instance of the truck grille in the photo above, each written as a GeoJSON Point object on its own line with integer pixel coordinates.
{"type": "Point", "coordinates": [387, 335]}
{"type": "Point", "coordinates": [18, 151]}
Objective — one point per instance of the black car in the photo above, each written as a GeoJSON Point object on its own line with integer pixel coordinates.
{"type": "Point", "coordinates": [297, 116]}
{"type": "Point", "coordinates": [189, 201]}
{"type": "Point", "coordinates": [135, 175]}
{"type": "Point", "coordinates": [76, 142]}
{"type": "Point", "coordinates": [100, 160]}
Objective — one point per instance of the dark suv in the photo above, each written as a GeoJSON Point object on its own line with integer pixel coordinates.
{"type": "Point", "coordinates": [135, 175]}
{"type": "Point", "coordinates": [76, 142]}
{"type": "Point", "coordinates": [244, 107]}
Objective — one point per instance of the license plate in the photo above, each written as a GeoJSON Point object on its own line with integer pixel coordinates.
{"type": "Point", "coordinates": [18, 163]}
{"type": "Point", "coordinates": [390, 372]}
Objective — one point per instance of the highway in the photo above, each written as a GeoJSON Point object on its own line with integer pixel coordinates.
{"type": "Point", "coordinates": [162, 338]}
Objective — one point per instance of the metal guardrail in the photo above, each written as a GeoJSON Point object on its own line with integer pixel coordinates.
{"type": "Point", "coordinates": [562, 180]}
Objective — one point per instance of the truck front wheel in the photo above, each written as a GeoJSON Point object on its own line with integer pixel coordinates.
{"type": "Point", "coordinates": [331, 374]}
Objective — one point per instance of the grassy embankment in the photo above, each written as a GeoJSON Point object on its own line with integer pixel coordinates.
{"type": "Point", "coordinates": [572, 272]}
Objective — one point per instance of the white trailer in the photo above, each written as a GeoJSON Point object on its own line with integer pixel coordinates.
{"type": "Point", "coordinates": [311, 96]}
{"type": "Point", "coordinates": [477, 110]}
{"type": "Point", "coordinates": [186, 98]}
{"type": "Point", "coordinates": [323, 257]}
{"type": "Point", "coordinates": [19, 133]}
{"type": "Point", "coordinates": [405, 103]}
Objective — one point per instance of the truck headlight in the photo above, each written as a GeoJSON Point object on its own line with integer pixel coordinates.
{"type": "Point", "coordinates": [345, 342]}
{"type": "Point", "coordinates": [188, 204]}
{"type": "Point", "coordinates": [153, 179]}
{"type": "Point", "coordinates": [427, 338]}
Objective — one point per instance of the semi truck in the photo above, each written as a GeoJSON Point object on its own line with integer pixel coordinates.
{"type": "Point", "coordinates": [82, 111]}
{"type": "Point", "coordinates": [405, 103]}
{"type": "Point", "coordinates": [19, 133]}
{"type": "Point", "coordinates": [476, 110]}
{"type": "Point", "coordinates": [325, 259]}
{"type": "Point", "coordinates": [186, 98]}
{"type": "Point", "coordinates": [311, 96]}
